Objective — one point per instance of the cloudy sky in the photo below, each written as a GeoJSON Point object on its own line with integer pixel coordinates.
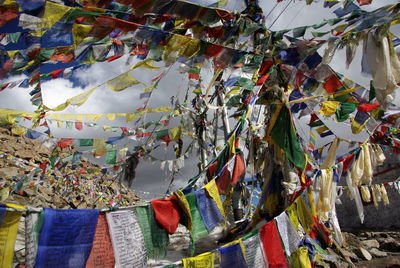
{"type": "Point", "coordinates": [149, 177]}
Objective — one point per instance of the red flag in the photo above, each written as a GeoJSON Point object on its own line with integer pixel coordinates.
{"type": "Point", "coordinates": [272, 245]}
{"type": "Point", "coordinates": [78, 125]}
{"type": "Point", "coordinates": [332, 84]}
{"type": "Point", "coordinates": [366, 108]}
{"type": "Point", "coordinates": [64, 143]}
{"type": "Point", "coordinates": [56, 73]}
{"type": "Point", "coordinates": [167, 213]}
{"type": "Point", "coordinates": [4, 86]}
{"type": "Point", "coordinates": [238, 170]}
{"type": "Point", "coordinates": [364, 2]}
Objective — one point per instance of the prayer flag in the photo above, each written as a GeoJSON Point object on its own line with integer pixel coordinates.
{"type": "Point", "coordinates": [33, 225]}
{"type": "Point", "coordinates": [8, 235]}
{"type": "Point", "coordinates": [205, 260]}
{"type": "Point", "coordinates": [122, 82]}
{"type": "Point", "coordinates": [232, 256]}
{"type": "Point", "coordinates": [167, 213]}
{"type": "Point", "coordinates": [155, 237]}
{"type": "Point", "coordinates": [289, 236]}
{"type": "Point", "coordinates": [272, 245]}
{"type": "Point", "coordinates": [209, 210]}
{"type": "Point", "coordinates": [111, 157]}
{"type": "Point", "coordinates": [284, 135]}
{"type": "Point", "coordinates": [127, 239]}
{"type": "Point", "coordinates": [66, 237]}
{"type": "Point", "coordinates": [102, 254]}
{"type": "Point", "coordinates": [254, 254]}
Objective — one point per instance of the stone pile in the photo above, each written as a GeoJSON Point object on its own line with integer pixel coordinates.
{"type": "Point", "coordinates": [373, 249]}
{"type": "Point", "coordinates": [83, 186]}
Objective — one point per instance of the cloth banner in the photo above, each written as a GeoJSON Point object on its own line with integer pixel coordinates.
{"type": "Point", "coordinates": [167, 213]}
{"type": "Point", "coordinates": [212, 191]}
{"type": "Point", "coordinates": [33, 225]}
{"type": "Point", "coordinates": [300, 258]}
{"type": "Point", "coordinates": [102, 254]}
{"type": "Point", "coordinates": [122, 82]}
{"type": "Point", "coordinates": [272, 246]}
{"type": "Point", "coordinates": [284, 135]}
{"type": "Point", "coordinates": [127, 239]}
{"type": "Point", "coordinates": [254, 252]}
{"type": "Point", "coordinates": [8, 235]}
{"type": "Point", "coordinates": [155, 237]}
{"type": "Point", "coordinates": [184, 205]}
{"type": "Point", "coordinates": [205, 260]}
{"type": "Point", "coordinates": [232, 256]}
{"type": "Point", "coordinates": [209, 210]}
{"type": "Point", "coordinates": [66, 237]}
{"type": "Point", "coordinates": [199, 229]}
{"type": "Point", "coordinates": [289, 237]}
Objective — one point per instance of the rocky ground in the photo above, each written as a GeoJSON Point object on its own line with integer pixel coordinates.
{"type": "Point", "coordinates": [373, 249]}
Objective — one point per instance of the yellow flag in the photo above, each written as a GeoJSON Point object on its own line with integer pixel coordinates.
{"type": "Point", "coordinates": [292, 211]}
{"type": "Point", "coordinates": [99, 147]}
{"type": "Point", "coordinates": [147, 64]}
{"type": "Point", "coordinates": [179, 45]}
{"type": "Point", "coordinates": [15, 206]}
{"type": "Point", "coordinates": [212, 190]}
{"type": "Point", "coordinates": [175, 133]}
{"type": "Point", "coordinates": [149, 88]}
{"type": "Point", "coordinates": [111, 117]}
{"type": "Point", "coordinates": [18, 130]}
{"type": "Point", "coordinates": [231, 144]}
{"type": "Point", "coordinates": [122, 82]}
{"type": "Point", "coordinates": [191, 48]}
{"type": "Point", "coordinates": [9, 117]}
{"type": "Point", "coordinates": [133, 116]}
{"type": "Point", "coordinates": [106, 128]}
{"type": "Point", "coordinates": [234, 91]}
{"type": "Point", "coordinates": [69, 116]}
{"type": "Point", "coordinates": [322, 129]}
{"type": "Point", "coordinates": [184, 205]}
{"type": "Point", "coordinates": [300, 258]}
{"type": "Point", "coordinates": [8, 235]}
{"type": "Point", "coordinates": [328, 108]}
{"type": "Point", "coordinates": [165, 109]}
{"type": "Point", "coordinates": [304, 214]}
{"type": "Point", "coordinates": [53, 12]}
{"type": "Point", "coordinates": [94, 117]}
{"type": "Point", "coordinates": [80, 32]}
{"type": "Point", "coordinates": [205, 260]}
{"type": "Point", "coordinates": [356, 128]}
{"type": "Point", "coordinates": [77, 100]}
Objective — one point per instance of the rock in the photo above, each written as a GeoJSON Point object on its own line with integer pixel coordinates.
{"type": "Point", "coordinates": [351, 239]}
{"type": "Point", "coordinates": [363, 253]}
{"type": "Point", "coordinates": [45, 190]}
{"type": "Point", "coordinates": [391, 246]}
{"type": "Point", "coordinates": [351, 255]}
{"type": "Point", "coordinates": [384, 235]}
{"type": "Point", "coordinates": [9, 171]}
{"type": "Point", "coordinates": [370, 243]}
{"type": "Point", "coordinates": [377, 253]}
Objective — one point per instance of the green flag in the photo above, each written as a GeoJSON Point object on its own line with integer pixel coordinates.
{"type": "Point", "coordinates": [86, 142]}
{"type": "Point", "coordinates": [284, 135]}
{"type": "Point", "coordinates": [111, 157]}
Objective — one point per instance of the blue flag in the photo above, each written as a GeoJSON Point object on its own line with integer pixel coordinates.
{"type": "Point", "coordinates": [66, 238]}
{"type": "Point", "coordinates": [209, 211]}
